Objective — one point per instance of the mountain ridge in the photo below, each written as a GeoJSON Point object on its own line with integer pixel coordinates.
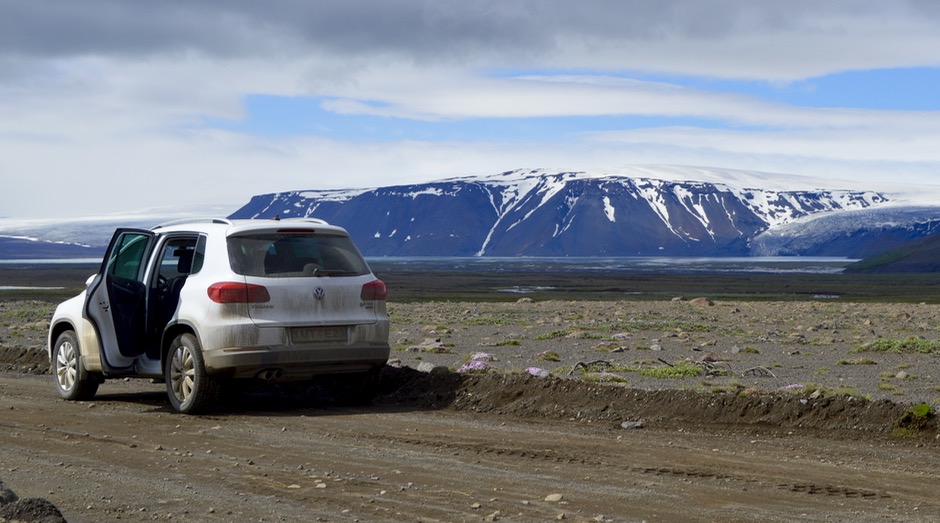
{"type": "Point", "coordinates": [534, 212]}
{"type": "Point", "coordinates": [635, 211]}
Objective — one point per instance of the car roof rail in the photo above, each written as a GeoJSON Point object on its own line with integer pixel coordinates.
{"type": "Point", "coordinates": [220, 221]}
{"type": "Point", "coordinates": [317, 221]}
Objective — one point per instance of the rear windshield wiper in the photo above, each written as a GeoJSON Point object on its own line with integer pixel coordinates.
{"type": "Point", "coordinates": [335, 272]}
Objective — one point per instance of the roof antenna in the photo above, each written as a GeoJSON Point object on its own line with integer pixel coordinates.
{"type": "Point", "coordinates": [277, 217]}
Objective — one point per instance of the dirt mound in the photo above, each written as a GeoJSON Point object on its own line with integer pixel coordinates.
{"type": "Point", "coordinates": [527, 396]}
{"type": "Point", "coordinates": [24, 360]}
{"type": "Point", "coordinates": [34, 510]}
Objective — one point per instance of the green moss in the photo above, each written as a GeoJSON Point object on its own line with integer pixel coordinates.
{"type": "Point", "coordinates": [487, 320]}
{"type": "Point", "coordinates": [548, 355]}
{"type": "Point", "coordinates": [820, 390]}
{"type": "Point", "coordinates": [554, 335]}
{"type": "Point", "coordinates": [604, 377]}
{"type": "Point", "coordinates": [732, 387]}
{"type": "Point", "coordinates": [915, 419]}
{"type": "Point", "coordinates": [679, 370]}
{"type": "Point", "coordinates": [906, 345]}
{"type": "Point", "coordinates": [858, 361]}
{"type": "Point", "coordinates": [26, 311]}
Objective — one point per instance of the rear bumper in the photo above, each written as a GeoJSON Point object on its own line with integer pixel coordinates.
{"type": "Point", "coordinates": [243, 350]}
{"type": "Point", "coordinates": [295, 362]}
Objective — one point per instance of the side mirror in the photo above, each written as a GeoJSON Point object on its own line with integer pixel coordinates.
{"type": "Point", "coordinates": [89, 280]}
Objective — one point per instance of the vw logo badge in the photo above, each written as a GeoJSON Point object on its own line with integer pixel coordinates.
{"type": "Point", "coordinates": [319, 293]}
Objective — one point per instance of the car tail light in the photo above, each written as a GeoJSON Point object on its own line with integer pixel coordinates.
{"type": "Point", "coordinates": [235, 292]}
{"type": "Point", "coordinates": [375, 290]}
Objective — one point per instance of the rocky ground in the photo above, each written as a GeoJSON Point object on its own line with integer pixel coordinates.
{"type": "Point", "coordinates": [872, 351]}
{"type": "Point", "coordinates": [844, 371]}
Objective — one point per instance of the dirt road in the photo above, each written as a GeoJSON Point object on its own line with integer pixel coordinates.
{"type": "Point", "coordinates": [126, 457]}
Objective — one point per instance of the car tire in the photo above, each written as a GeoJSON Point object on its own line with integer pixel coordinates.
{"type": "Point", "coordinates": [72, 381]}
{"type": "Point", "coordinates": [190, 389]}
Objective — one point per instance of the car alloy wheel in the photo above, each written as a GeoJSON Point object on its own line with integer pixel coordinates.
{"type": "Point", "coordinates": [71, 380]}
{"type": "Point", "coordinates": [190, 388]}
{"type": "Point", "coordinates": [182, 374]}
{"type": "Point", "coordinates": [66, 365]}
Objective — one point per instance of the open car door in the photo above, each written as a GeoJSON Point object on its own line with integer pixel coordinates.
{"type": "Point", "coordinates": [115, 301]}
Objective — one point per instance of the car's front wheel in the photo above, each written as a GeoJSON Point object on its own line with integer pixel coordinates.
{"type": "Point", "coordinates": [72, 381]}
{"type": "Point", "coordinates": [190, 389]}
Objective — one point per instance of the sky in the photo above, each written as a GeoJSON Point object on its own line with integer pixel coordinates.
{"type": "Point", "coordinates": [116, 106]}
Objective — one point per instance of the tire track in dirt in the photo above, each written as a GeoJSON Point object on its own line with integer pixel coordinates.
{"type": "Point", "coordinates": [406, 462]}
{"type": "Point", "coordinates": [560, 456]}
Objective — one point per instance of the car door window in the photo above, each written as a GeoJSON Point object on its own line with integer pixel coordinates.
{"type": "Point", "coordinates": [128, 256]}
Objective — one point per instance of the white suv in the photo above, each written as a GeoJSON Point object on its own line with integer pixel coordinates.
{"type": "Point", "coordinates": [196, 303]}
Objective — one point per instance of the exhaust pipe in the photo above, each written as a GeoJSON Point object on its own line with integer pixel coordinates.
{"type": "Point", "coordinates": [271, 375]}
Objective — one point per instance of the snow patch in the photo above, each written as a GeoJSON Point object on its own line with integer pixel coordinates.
{"type": "Point", "coordinates": [609, 210]}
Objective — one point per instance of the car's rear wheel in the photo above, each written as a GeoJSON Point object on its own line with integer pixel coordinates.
{"type": "Point", "coordinates": [72, 381]}
{"type": "Point", "coordinates": [190, 389]}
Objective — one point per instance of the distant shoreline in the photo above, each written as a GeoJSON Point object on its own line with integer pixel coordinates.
{"type": "Point", "coordinates": [481, 279]}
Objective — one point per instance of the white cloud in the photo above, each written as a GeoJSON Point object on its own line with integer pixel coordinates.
{"type": "Point", "coordinates": [719, 38]}
{"type": "Point", "coordinates": [104, 103]}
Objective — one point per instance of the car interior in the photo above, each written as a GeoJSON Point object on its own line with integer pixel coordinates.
{"type": "Point", "coordinates": [177, 262]}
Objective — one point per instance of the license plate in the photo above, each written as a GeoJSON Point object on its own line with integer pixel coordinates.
{"type": "Point", "coordinates": [313, 334]}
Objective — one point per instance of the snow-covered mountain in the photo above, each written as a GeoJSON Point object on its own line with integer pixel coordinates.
{"type": "Point", "coordinates": [629, 211]}
{"type": "Point", "coordinates": [648, 211]}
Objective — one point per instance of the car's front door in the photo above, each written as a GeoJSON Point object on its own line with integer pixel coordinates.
{"type": "Point", "coordinates": [115, 301]}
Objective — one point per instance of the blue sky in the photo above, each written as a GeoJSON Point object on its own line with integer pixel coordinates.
{"type": "Point", "coordinates": [109, 106]}
{"type": "Point", "coordinates": [272, 116]}
{"type": "Point", "coordinates": [285, 116]}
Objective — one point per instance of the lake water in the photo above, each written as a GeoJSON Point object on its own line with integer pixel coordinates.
{"type": "Point", "coordinates": [21, 288]}
{"type": "Point", "coordinates": [596, 265]}
{"type": "Point", "coordinates": [49, 262]}
{"type": "Point", "coordinates": [775, 264]}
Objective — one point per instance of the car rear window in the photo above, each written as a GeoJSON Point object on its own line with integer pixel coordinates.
{"type": "Point", "coordinates": [287, 255]}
